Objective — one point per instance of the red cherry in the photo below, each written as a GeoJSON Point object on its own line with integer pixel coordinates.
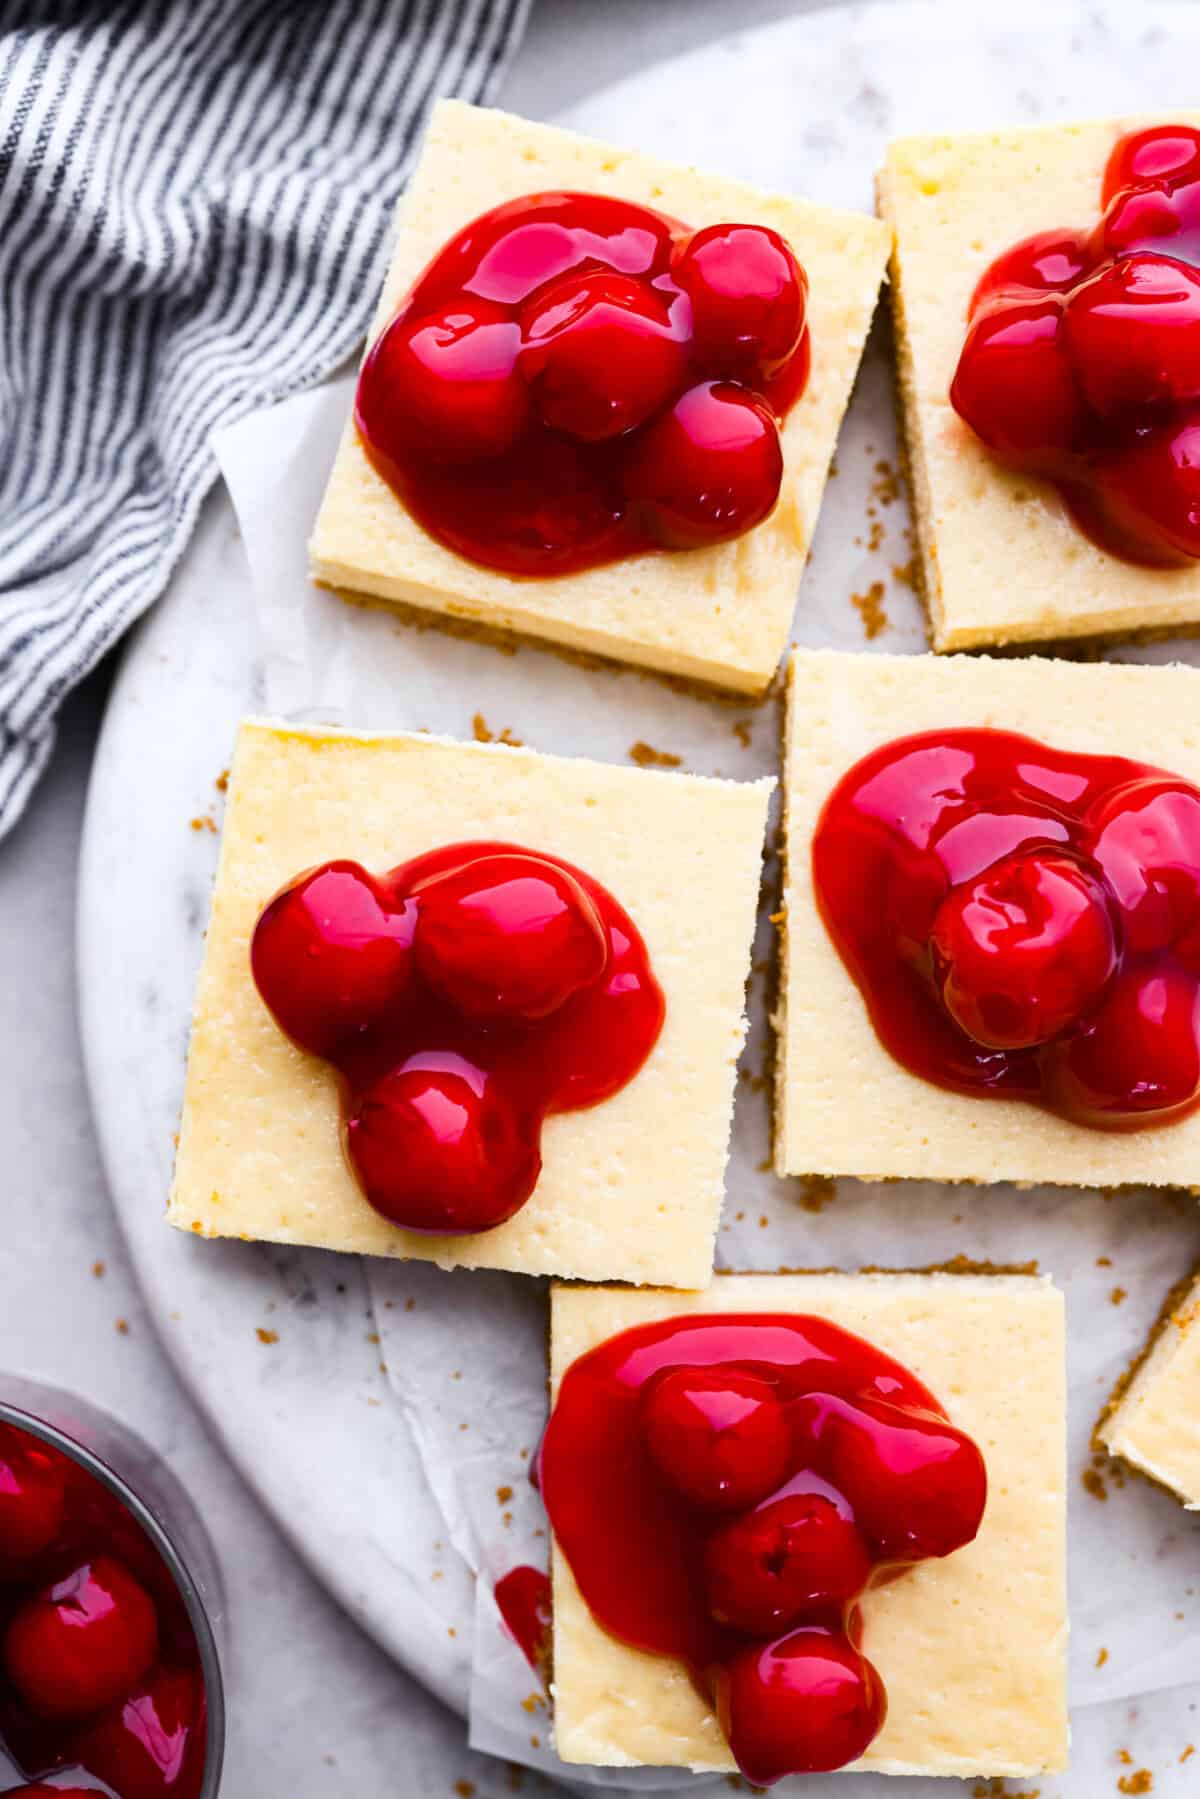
{"type": "Point", "coordinates": [707, 470]}
{"type": "Point", "coordinates": [748, 296]}
{"type": "Point", "coordinates": [720, 1437]}
{"type": "Point", "coordinates": [1049, 262]}
{"type": "Point", "coordinates": [1168, 153]}
{"type": "Point", "coordinates": [1133, 332]}
{"type": "Point", "coordinates": [438, 1146]}
{"type": "Point", "coordinates": [522, 246]}
{"type": "Point", "coordinates": [32, 1501]}
{"type": "Point", "coordinates": [1146, 838]}
{"type": "Point", "coordinates": [1022, 951]}
{"type": "Point", "coordinates": [805, 1705]}
{"type": "Point", "coordinates": [1146, 502]}
{"type": "Point", "coordinates": [151, 1746]}
{"type": "Point", "coordinates": [1139, 1054]}
{"type": "Point", "coordinates": [600, 355]}
{"type": "Point", "coordinates": [82, 1643]}
{"type": "Point", "coordinates": [445, 385]}
{"type": "Point", "coordinates": [508, 938]}
{"type": "Point", "coordinates": [1014, 385]}
{"type": "Point", "coordinates": [331, 957]}
{"type": "Point", "coordinates": [765, 1571]}
{"type": "Point", "coordinates": [916, 1484]}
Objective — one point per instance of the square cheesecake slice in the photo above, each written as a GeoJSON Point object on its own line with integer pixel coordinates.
{"type": "Point", "coordinates": [631, 1188]}
{"type": "Point", "coordinates": [844, 1105]}
{"type": "Point", "coordinates": [1153, 1420]}
{"type": "Point", "coordinates": [1002, 561]}
{"type": "Point", "coordinates": [972, 1648]}
{"type": "Point", "coordinates": [720, 614]}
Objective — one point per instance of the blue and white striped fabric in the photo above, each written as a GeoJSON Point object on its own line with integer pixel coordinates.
{"type": "Point", "coordinates": [194, 205]}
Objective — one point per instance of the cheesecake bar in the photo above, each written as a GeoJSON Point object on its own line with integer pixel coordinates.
{"type": "Point", "coordinates": [844, 1104]}
{"type": "Point", "coordinates": [971, 1648]}
{"type": "Point", "coordinates": [630, 1188]}
{"type": "Point", "coordinates": [1153, 1422]}
{"type": "Point", "coordinates": [719, 614]}
{"type": "Point", "coordinates": [1001, 558]}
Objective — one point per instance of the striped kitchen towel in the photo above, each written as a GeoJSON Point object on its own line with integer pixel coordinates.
{"type": "Point", "coordinates": [194, 205]}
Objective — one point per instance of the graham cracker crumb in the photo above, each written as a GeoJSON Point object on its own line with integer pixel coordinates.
{"type": "Point", "coordinates": [646, 756]}
{"type": "Point", "coordinates": [484, 734]}
{"type": "Point", "coordinates": [1188, 1752]}
{"type": "Point", "coordinates": [1141, 1782]}
{"type": "Point", "coordinates": [741, 730]}
{"type": "Point", "coordinates": [122, 1327]}
{"type": "Point", "coordinates": [1101, 1658]}
{"type": "Point", "coordinates": [818, 1192]}
{"type": "Point", "coordinates": [1094, 1484]}
{"type": "Point", "coordinates": [267, 1337]}
{"type": "Point", "coordinates": [222, 781]}
{"type": "Point", "coordinates": [885, 488]}
{"type": "Point", "coordinates": [465, 1789]}
{"type": "Point", "coordinates": [1104, 1261]}
{"type": "Point", "coordinates": [904, 574]}
{"type": "Point", "coordinates": [204, 823]}
{"type": "Point", "coordinates": [871, 609]}
{"type": "Point", "coordinates": [1118, 1295]}
{"type": "Point", "coordinates": [503, 1495]}
{"type": "Point", "coordinates": [99, 1270]}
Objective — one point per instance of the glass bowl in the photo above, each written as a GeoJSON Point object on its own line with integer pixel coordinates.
{"type": "Point", "coordinates": [156, 1500]}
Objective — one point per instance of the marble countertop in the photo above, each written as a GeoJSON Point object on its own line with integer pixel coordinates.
{"type": "Point", "coordinates": [315, 1709]}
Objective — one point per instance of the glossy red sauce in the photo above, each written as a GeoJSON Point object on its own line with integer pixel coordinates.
{"type": "Point", "coordinates": [523, 1596]}
{"type": "Point", "coordinates": [725, 1488]}
{"type": "Point", "coordinates": [1082, 361]}
{"type": "Point", "coordinates": [99, 1668]}
{"type": "Point", "coordinates": [576, 379]}
{"type": "Point", "coordinates": [462, 998]}
{"type": "Point", "coordinates": [1023, 923]}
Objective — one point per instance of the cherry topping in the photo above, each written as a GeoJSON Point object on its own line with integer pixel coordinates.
{"type": "Point", "coordinates": [1015, 385]}
{"type": "Point", "coordinates": [83, 1642]}
{"type": "Point", "coordinates": [1024, 950]}
{"type": "Point", "coordinates": [331, 956]}
{"type": "Point", "coordinates": [806, 1704]}
{"type": "Point", "coordinates": [769, 1568]}
{"type": "Point", "coordinates": [151, 1744]}
{"type": "Point", "coordinates": [461, 999]}
{"type": "Point", "coordinates": [437, 1145]}
{"type": "Point", "coordinates": [725, 1487]}
{"type": "Point", "coordinates": [917, 1485]}
{"type": "Point", "coordinates": [1048, 263]}
{"type": "Point", "coordinates": [1149, 500]}
{"type": "Point", "coordinates": [1082, 356]}
{"type": "Point", "coordinates": [707, 470]}
{"type": "Point", "coordinates": [1022, 922]}
{"type": "Point", "coordinates": [445, 385]}
{"type": "Point", "coordinates": [1158, 153]}
{"type": "Point", "coordinates": [508, 938]}
{"type": "Point", "coordinates": [720, 1438]}
{"type": "Point", "coordinates": [1147, 833]}
{"type": "Point", "coordinates": [544, 401]}
{"type": "Point", "coordinates": [600, 355]}
{"type": "Point", "coordinates": [748, 297]}
{"type": "Point", "coordinates": [523, 1597]}
{"type": "Point", "coordinates": [1133, 335]}
{"type": "Point", "coordinates": [32, 1501]}
{"type": "Point", "coordinates": [1139, 1056]}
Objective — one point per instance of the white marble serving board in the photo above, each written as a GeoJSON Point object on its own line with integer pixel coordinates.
{"type": "Point", "coordinates": [307, 1413]}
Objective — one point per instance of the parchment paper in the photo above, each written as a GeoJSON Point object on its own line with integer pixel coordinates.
{"type": "Point", "coordinates": [466, 1352]}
